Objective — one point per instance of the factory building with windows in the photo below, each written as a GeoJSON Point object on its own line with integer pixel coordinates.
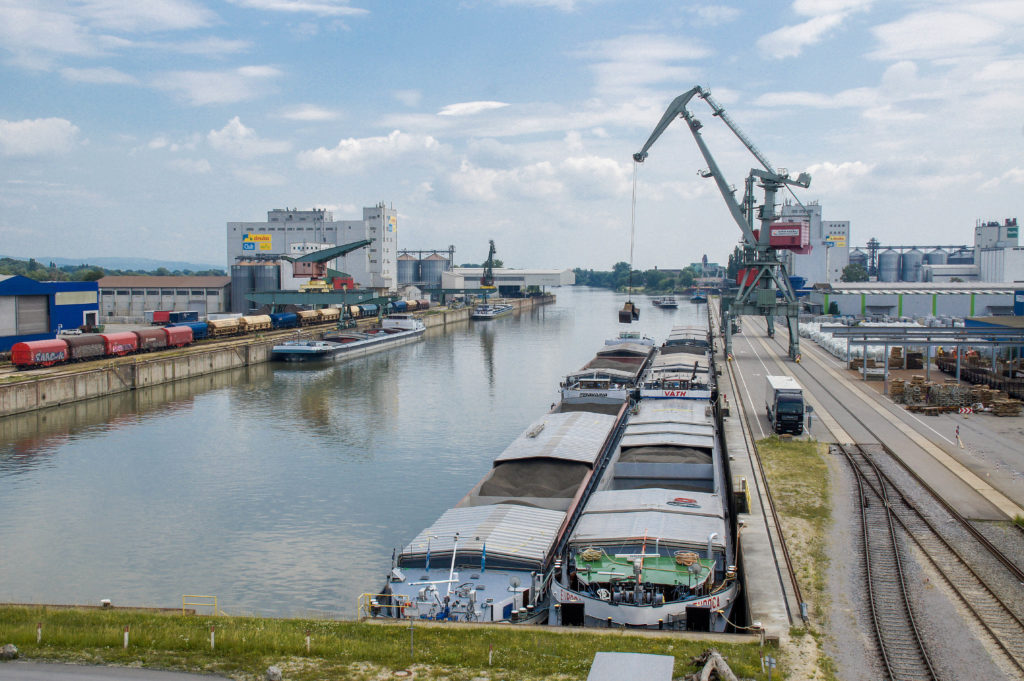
{"type": "Point", "coordinates": [130, 296]}
{"type": "Point", "coordinates": [916, 300]}
{"type": "Point", "coordinates": [829, 241]}
{"type": "Point", "coordinates": [36, 310]}
{"type": "Point", "coordinates": [295, 232]}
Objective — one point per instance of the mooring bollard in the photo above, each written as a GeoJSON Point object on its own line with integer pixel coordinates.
{"type": "Point", "coordinates": [39, 633]}
{"type": "Point", "coordinates": [307, 643]}
{"type": "Point", "coordinates": [126, 636]}
{"type": "Point", "coordinates": [490, 654]}
{"type": "Point", "coordinates": [211, 637]}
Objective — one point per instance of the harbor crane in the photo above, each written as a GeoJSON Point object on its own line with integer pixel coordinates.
{"type": "Point", "coordinates": [487, 280]}
{"type": "Point", "coordinates": [764, 286]}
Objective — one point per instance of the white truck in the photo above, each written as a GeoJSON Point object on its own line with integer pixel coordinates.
{"type": "Point", "coordinates": [784, 402]}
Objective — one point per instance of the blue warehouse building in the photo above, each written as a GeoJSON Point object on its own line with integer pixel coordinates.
{"type": "Point", "coordinates": [34, 310]}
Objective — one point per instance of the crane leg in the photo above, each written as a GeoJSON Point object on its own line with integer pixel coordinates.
{"type": "Point", "coordinates": [794, 338]}
{"type": "Point", "coordinates": [727, 332]}
{"type": "Point", "coordinates": [770, 323]}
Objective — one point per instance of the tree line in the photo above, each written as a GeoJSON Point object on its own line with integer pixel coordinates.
{"type": "Point", "coordinates": [33, 269]}
{"type": "Point", "coordinates": [654, 280]}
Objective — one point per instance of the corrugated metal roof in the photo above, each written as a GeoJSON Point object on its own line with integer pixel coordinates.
{"type": "Point", "coordinates": [671, 439]}
{"type": "Point", "coordinates": [675, 411]}
{"type": "Point", "coordinates": [626, 348]}
{"type": "Point", "coordinates": [163, 282]}
{"type": "Point", "coordinates": [517, 532]}
{"type": "Point", "coordinates": [706, 429]}
{"type": "Point", "coordinates": [596, 528]}
{"type": "Point", "coordinates": [626, 500]}
{"type": "Point", "coordinates": [572, 436]}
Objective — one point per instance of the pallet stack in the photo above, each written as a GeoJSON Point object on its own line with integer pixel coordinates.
{"type": "Point", "coordinates": [896, 357]}
{"type": "Point", "coordinates": [896, 390]}
{"type": "Point", "coordinates": [949, 395]}
{"type": "Point", "coordinates": [1006, 407]}
{"type": "Point", "coordinates": [915, 360]}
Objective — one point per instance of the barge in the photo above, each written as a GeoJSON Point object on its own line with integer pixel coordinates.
{"type": "Point", "coordinates": [491, 311]}
{"type": "Point", "coordinates": [395, 330]}
{"type": "Point", "coordinates": [608, 380]}
{"type": "Point", "coordinates": [489, 558]}
{"type": "Point", "coordinates": [653, 547]}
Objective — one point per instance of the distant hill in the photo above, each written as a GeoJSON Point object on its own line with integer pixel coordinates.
{"type": "Point", "coordinates": [144, 264]}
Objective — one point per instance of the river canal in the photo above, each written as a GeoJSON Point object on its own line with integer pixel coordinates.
{"type": "Point", "coordinates": [281, 490]}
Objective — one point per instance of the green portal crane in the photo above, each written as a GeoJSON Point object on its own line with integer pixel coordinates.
{"type": "Point", "coordinates": [765, 273]}
{"type": "Point", "coordinates": [487, 281]}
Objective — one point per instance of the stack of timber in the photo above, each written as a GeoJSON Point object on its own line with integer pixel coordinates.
{"type": "Point", "coordinates": [1006, 407]}
{"type": "Point", "coordinates": [896, 357]}
{"type": "Point", "coordinates": [915, 360]}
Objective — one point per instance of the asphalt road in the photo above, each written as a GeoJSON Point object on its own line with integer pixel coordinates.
{"type": "Point", "coordinates": [33, 671]}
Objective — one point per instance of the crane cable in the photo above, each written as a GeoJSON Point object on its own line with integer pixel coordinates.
{"type": "Point", "coordinates": [632, 231]}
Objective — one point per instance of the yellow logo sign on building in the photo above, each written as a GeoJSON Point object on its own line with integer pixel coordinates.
{"type": "Point", "coordinates": [392, 223]}
{"type": "Point", "coordinates": [838, 240]}
{"type": "Point", "coordinates": [253, 242]}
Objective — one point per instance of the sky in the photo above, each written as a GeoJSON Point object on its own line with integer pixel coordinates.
{"type": "Point", "coordinates": [140, 128]}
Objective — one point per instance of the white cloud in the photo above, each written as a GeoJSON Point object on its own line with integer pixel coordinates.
{"type": "Point", "coordinates": [1011, 176]}
{"type": "Point", "coordinates": [713, 15]}
{"type": "Point", "coordinates": [323, 8]}
{"type": "Point", "coordinates": [590, 177]}
{"type": "Point", "coordinates": [833, 177]}
{"type": "Point", "coordinates": [202, 88]}
{"type": "Point", "coordinates": [816, 8]}
{"type": "Point", "coordinates": [563, 5]}
{"type": "Point", "coordinates": [37, 137]}
{"type": "Point", "coordinates": [22, 25]}
{"type": "Point", "coordinates": [939, 35]}
{"type": "Point", "coordinates": [310, 113]}
{"type": "Point", "coordinates": [855, 98]}
{"type": "Point", "coordinates": [104, 75]}
{"type": "Point", "coordinates": [160, 142]}
{"type": "Point", "coordinates": [352, 153]}
{"type": "Point", "coordinates": [237, 140]}
{"type": "Point", "coordinates": [211, 46]}
{"type": "Point", "coordinates": [629, 63]}
{"type": "Point", "coordinates": [258, 177]}
{"type": "Point", "coordinates": [151, 15]}
{"type": "Point", "coordinates": [469, 108]}
{"type": "Point", "coordinates": [191, 166]}
{"type": "Point", "coordinates": [408, 97]}
{"type": "Point", "coordinates": [789, 41]}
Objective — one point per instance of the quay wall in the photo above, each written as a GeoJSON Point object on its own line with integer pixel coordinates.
{"type": "Point", "coordinates": [142, 371]}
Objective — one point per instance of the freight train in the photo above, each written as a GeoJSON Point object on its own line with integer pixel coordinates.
{"type": "Point", "coordinates": [44, 353]}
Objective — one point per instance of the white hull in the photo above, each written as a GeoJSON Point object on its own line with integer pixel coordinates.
{"type": "Point", "coordinates": [650, 393]}
{"type": "Point", "coordinates": [349, 350]}
{"type": "Point", "coordinates": [670, 615]}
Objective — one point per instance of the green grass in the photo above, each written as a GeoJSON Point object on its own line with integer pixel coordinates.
{"type": "Point", "coordinates": [246, 646]}
{"type": "Point", "coordinates": [798, 476]}
{"type": "Point", "coordinates": [1018, 520]}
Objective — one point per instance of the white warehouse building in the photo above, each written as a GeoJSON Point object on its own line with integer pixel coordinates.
{"type": "Point", "coordinates": [295, 232]}
{"type": "Point", "coordinates": [830, 245]}
{"type": "Point", "coordinates": [915, 299]}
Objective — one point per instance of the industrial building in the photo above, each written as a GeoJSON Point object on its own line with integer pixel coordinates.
{"type": "Point", "coordinates": [995, 257]}
{"type": "Point", "coordinates": [295, 232]}
{"type": "Point", "coordinates": [829, 244]}
{"type": "Point", "coordinates": [36, 310]}
{"type": "Point", "coordinates": [922, 299]}
{"type": "Point", "coordinates": [424, 268]}
{"type": "Point", "coordinates": [131, 296]}
{"type": "Point", "coordinates": [507, 280]}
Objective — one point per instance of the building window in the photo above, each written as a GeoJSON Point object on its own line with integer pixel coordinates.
{"type": "Point", "coordinates": [198, 292]}
{"type": "Point", "coordinates": [213, 291]}
{"type": "Point", "coordinates": [123, 292]}
{"type": "Point", "coordinates": [138, 292]}
{"type": "Point", "coordinates": [152, 292]}
{"type": "Point", "coordinates": [181, 291]}
{"type": "Point", "coordinates": [107, 292]}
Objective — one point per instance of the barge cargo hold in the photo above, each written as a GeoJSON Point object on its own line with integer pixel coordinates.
{"type": "Point", "coordinates": [653, 546]}
{"type": "Point", "coordinates": [608, 380]}
{"type": "Point", "coordinates": [489, 558]}
{"type": "Point", "coordinates": [398, 329]}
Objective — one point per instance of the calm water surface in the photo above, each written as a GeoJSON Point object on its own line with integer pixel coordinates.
{"type": "Point", "coordinates": [281, 490]}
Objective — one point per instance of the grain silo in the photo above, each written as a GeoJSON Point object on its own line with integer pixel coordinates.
{"type": "Point", "coordinates": [432, 267]}
{"type": "Point", "coordinates": [936, 257]}
{"type": "Point", "coordinates": [888, 266]}
{"type": "Point", "coordinates": [408, 269]}
{"type": "Point", "coordinates": [910, 265]}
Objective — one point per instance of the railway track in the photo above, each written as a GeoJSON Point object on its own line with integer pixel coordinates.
{"type": "Point", "coordinates": [902, 648]}
{"type": "Point", "coordinates": [987, 582]}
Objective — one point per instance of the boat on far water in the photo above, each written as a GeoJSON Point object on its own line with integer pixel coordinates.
{"type": "Point", "coordinates": [666, 302]}
{"type": "Point", "coordinates": [699, 298]}
{"type": "Point", "coordinates": [394, 330]}
{"type": "Point", "coordinates": [491, 310]}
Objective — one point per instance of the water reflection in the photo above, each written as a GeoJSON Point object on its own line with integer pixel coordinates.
{"type": "Point", "coordinates": [280, 489]}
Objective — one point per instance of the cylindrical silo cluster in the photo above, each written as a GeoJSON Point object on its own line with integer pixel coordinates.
{"type": "Point", "coordinates": [432, 267]}
{"type": "Point", "coordinates": [889, 266]}
{"type": "Point", "coordinates": [910, 265]}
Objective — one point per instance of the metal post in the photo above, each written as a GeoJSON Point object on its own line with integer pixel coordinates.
{"type": "Point", "coordinates": [958, 349]}
{"type": "Point", "coordinates": [864, 361]}
{"type": "Point", "coordinates": [885, 372]}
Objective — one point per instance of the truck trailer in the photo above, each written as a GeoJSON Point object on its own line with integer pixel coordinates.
{"type": "Point", "coordinates": [784, 402]}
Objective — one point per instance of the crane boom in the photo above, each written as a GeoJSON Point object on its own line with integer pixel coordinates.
{"type": "Point", "coordinates": [768, 270]}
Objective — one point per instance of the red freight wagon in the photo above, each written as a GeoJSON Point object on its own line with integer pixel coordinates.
{"type": "Point", "coordinates": [151, 339]}
{"type": "Point", "coordinates": [86, 346]}
{"type": "Point", "coordinates": [40, 353]}
{"type": "Point", "coordinates": [121, 343]}
{"type": "Point", "coordinates": [178, 336]}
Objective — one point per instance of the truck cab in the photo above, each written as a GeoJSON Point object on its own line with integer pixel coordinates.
{"type": "Point", "coordinates": [784, 404]}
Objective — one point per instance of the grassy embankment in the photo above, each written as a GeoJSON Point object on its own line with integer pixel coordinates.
{"type": "Point", "coordinates": [799, 479]}
{"type": "Point", "coordinates": [246, 646]}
